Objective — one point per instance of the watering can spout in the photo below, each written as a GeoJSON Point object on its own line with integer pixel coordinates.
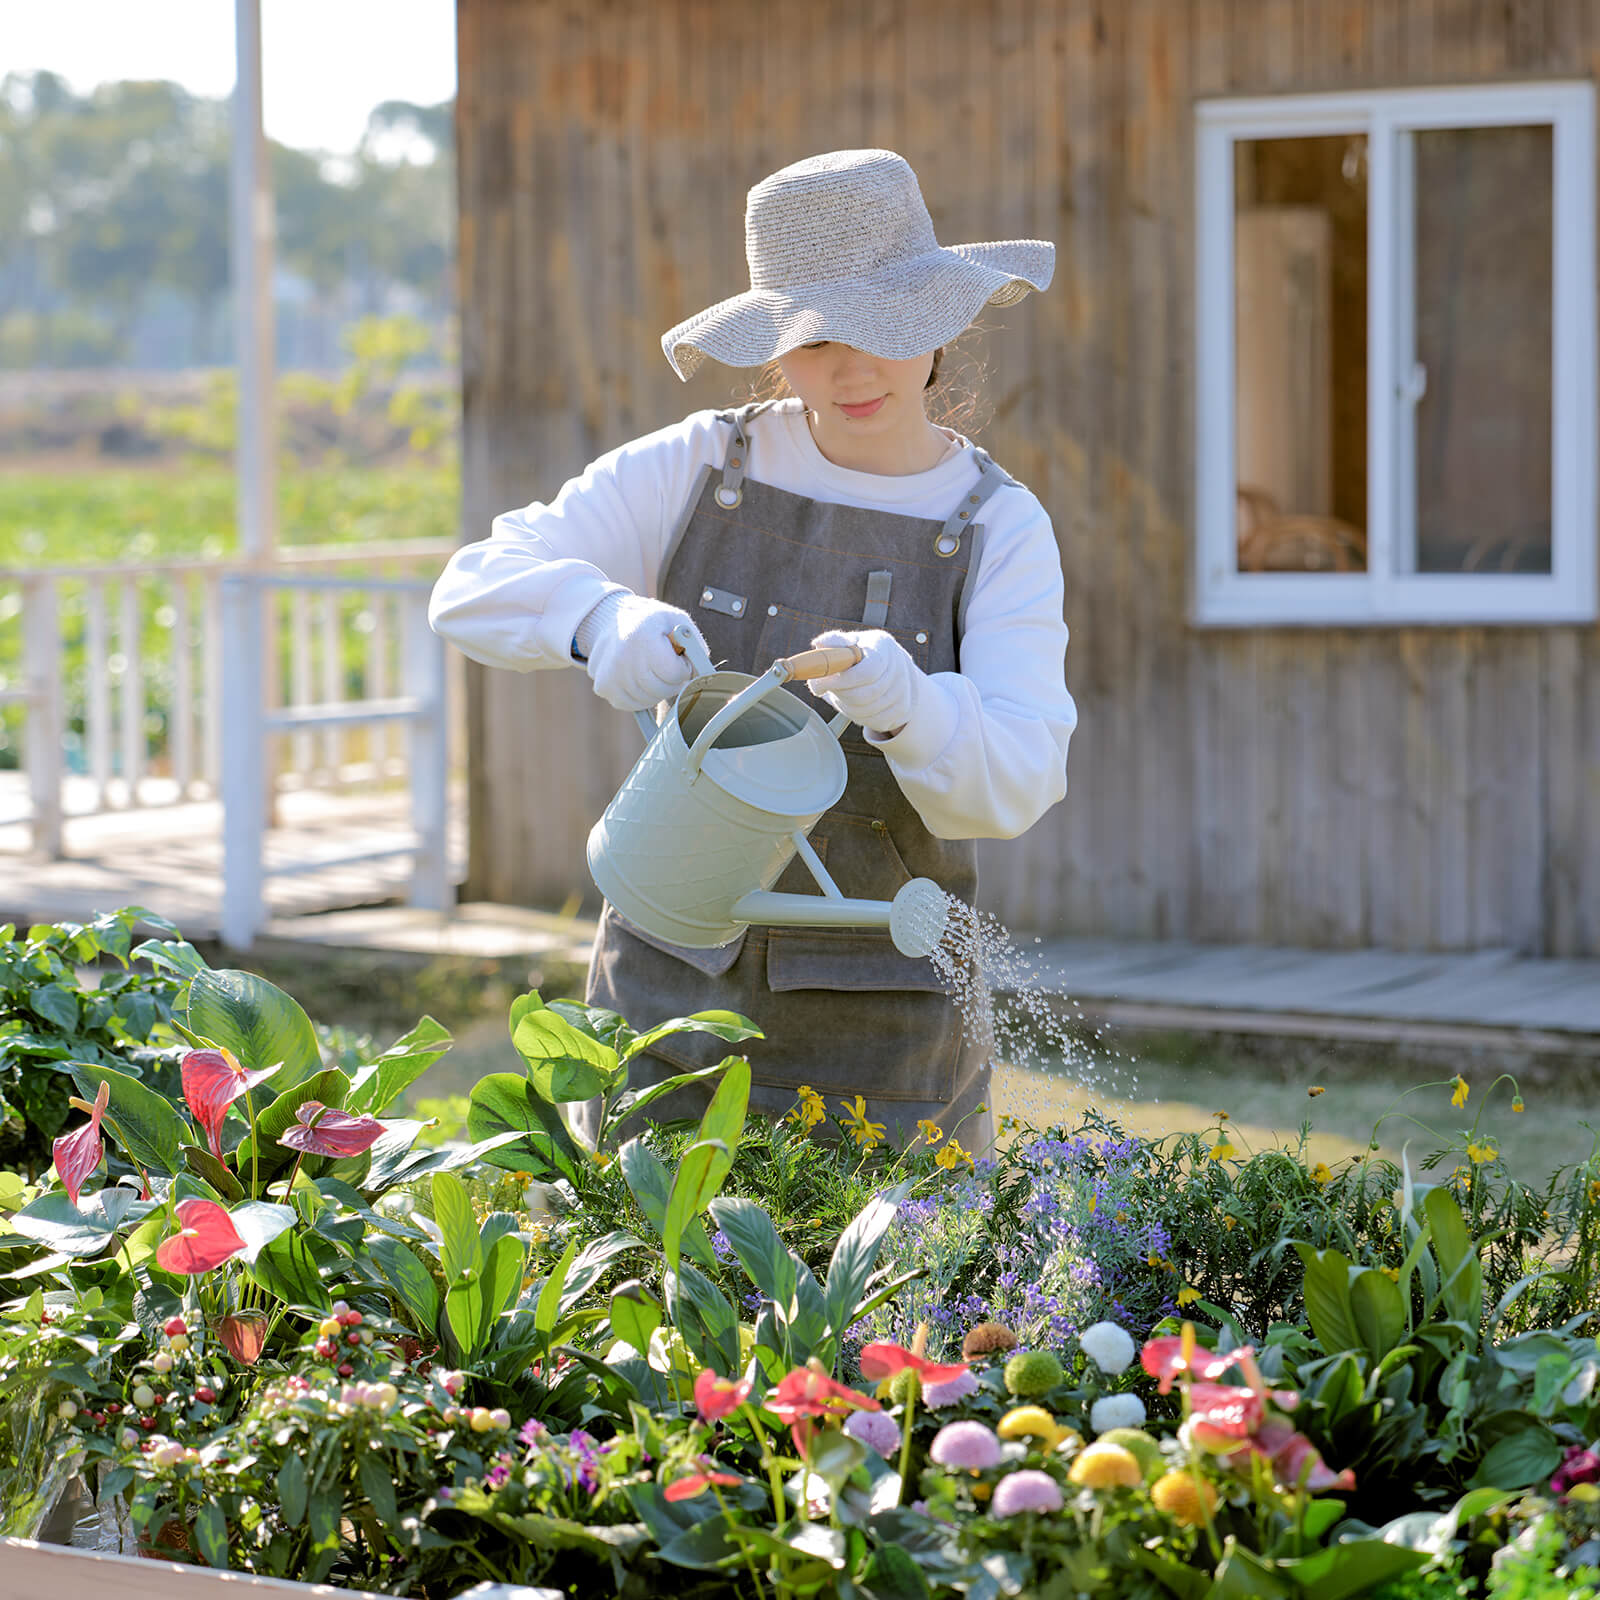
{"type": "Point", "coordinates": [915, 918]}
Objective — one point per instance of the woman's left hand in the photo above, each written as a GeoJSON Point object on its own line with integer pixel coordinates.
{"type": "Point", "coordinates": [880, 690]}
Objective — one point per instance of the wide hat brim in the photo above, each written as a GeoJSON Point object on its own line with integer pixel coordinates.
{"type": "Point", "coordinates": [909, 308]}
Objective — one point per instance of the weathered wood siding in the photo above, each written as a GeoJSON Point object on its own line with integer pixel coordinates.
{"type": "Point", "coordinates": [1385, 786]}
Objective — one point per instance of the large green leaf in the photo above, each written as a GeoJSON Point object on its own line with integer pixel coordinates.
{"type": "Point", "coordinates": [761, 1252]}
{"type": "Point", "coordinates": [1457, 1251]}
{"type": "Point", "coordinates": [1524, 1457]}
{"type": "Point", "coordinates": [151, 1126]}
{"type": "Point", "coordinates": [651, 1185]}
{"type": "Point", "coordinates": [84, 1230]}
{"type": "Point", "coordinates": [374, 1089]}
{"type": "Point", "coordinates": [1327, 1297]}
{"type": "Point", "coordinates": [1353, 1567]}
{"type": "Point", "coordinates": [257, 1021]}
{"type": "Point", "coordinates": [724, 1117]}
{"type": "Point", "coordinates": [503, 1269]}
{"type": "Point", "coordinates": [407, 1276]}
{"type": "Point", "coordinates": [288, 1268]}
{"type": "Point", "coordinates": [1377, 1310]}
{"type": "Point", "coordinates": [635, 1314]}
{"type": "Point", "coordinates": [548, 1308]}
{"type": "Point", "coordinates": [506, 1102]}
{"type": "Point", "coordinates": [460, 1249]}
{"type": "Point", "coordinates": [725, 1025]}
{"type": "Point", "coordinates": [701, 1171]}
{"type": "Point", "coordinates": [259, 1222]}
{"type": "Point", "coordinates": [563, 1063]}
{"type": "Point", "coordinates": [856, 1254]}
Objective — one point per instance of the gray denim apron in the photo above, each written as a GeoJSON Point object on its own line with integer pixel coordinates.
{"type": "Point", "coordinates": [763, 571]}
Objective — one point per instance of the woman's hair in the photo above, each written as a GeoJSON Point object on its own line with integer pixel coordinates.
{"type": "Point", "coordinates": [955, 398]}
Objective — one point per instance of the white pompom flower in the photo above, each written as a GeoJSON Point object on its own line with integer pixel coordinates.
{"type": "Point", "coordinates": [1116, 1411]}
{"type": "Point", "coordinates": [1109, 1346]}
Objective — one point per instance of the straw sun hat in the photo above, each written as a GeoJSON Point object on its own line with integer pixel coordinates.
{"type": "Point", "coordinates": [841, 247]}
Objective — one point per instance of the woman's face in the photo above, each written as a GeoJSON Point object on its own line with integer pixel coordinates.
{"type": "Point", "coordinates": [851, 393]}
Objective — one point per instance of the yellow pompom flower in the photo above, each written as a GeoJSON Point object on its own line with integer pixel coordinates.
{"type": "Point", "coordinates": [1106, 1466]}
{"type": "Point", "coordinates": [1459, 1084]}
{"type": "Point", "coordinates": [1320, 1173]}
{"type": "Point", "coordinates": [1033, 1422]}
{"type": "Point", "coordinates": [1185, 1497]}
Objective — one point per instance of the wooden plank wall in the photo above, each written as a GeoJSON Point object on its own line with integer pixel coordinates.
{"type": "Point", "coordinates": [1395, 787]}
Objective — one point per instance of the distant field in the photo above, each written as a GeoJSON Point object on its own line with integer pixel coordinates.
{"type": "Point", "coordinates": [134, 514]}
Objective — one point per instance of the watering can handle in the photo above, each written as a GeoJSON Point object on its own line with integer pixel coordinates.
{"type": "Point", "coordinates": [685, 639]}
{"type": "Point", "coordinates": [822, 663]}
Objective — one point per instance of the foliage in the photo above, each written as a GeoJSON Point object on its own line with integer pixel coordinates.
{"type": "Point", "coordinates": [61, 1003]}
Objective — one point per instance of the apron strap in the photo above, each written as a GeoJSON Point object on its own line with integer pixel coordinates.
{"type": "Point", "coordinates": [876, 612]}
{"type": "Point", "coordinates": [734, 465]}
{"type": "Point", "coordinates": [990, 478]}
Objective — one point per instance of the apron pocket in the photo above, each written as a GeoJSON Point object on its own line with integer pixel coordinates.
{"type": "Point", "coordinates": [713, 963]}
{"type": "Point", "coordinates": [844, 959]}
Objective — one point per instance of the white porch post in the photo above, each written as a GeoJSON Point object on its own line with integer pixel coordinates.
{"type": "Point", "coordinates": [244, 777]}
{"type": "Point", "coordinates": [251, 240]}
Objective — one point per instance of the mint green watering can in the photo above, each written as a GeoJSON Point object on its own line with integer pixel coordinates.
{"type": "Point", "coordinates": [729, 786]}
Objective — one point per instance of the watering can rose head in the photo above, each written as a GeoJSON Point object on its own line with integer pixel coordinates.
{"type": "Point", "coordinates": [319, 1130]}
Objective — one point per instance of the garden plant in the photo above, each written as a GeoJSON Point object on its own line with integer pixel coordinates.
{"type": "Point", "coordinates": [260, 1319]}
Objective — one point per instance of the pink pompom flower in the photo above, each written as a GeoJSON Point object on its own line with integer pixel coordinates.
{"type": "Point", "coordinates": [1027, 1490]}
{"type": "Point", "coordinates": [967, 1444]}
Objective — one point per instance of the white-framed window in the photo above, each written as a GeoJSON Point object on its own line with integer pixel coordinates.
{"type": "Point", "coordinates": [1395, 357]}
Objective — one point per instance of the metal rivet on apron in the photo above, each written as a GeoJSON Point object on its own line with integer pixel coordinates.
{"type": "Point", "coordinates": [733, 461]}
{"type": "Point", "coordinates": [922, 638]}
{"type": "Point", "coordinates": [738, 606]}
{"type": "Point", "coordinates": [706, 597]}
{"type": "Point", "coordinates": [729, 498]}
{"type": "Point", "coordinates": [963, 513]}
{"type": "Point", "coordinates": [947, 544]}
{"type": "Point", "coordinates": [772, 611]}
{"type": "Point", "coordinates": [974, 497]}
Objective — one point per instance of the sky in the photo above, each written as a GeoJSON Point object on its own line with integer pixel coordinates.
{"type": "Point", "coordinates": [325, 63]}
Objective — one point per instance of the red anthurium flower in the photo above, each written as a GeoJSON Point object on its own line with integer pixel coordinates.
{"type": "Point", "coordinates": [320, 1131]}
{"type": "Point", "coordinates": [243, 1333]}
{"type": "Point", "coordinates": [1166, 1358]}
{"type": "Point", "coordinates": [698, 1482]}
{"type": "Point", "coordinates": [879, 1361]}
{"type": "Point", "coordinates": [78, 1153]}
{"type": "Point", "coordinates": [212, 1081]}
{"type": "Point", "coordinates": [206, 1238]}
{"type": "Point", "coordinates": [718, 1397]}
{"type": "Point", "coordinates": [809, 1392]}
{"type": "Point", "coordinates": [1222, 1414]}
{"type": "Point", "coordinates": [1296, 1462]}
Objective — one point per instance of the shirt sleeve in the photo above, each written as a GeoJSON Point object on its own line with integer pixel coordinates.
{"type": "Point", "coordinates": [984, 754]}
{"type": "Point", "coordinates": [516, 598]}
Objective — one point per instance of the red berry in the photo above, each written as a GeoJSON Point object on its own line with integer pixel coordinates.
{"type": "Point", "coordinates": [351, 1319]}
{"type": "Point", "coordinates": [346, 1370]}
{"type": "Point", "coordinates": [114, 1408]}
{"type": "Point", "coordinates": [205, 1393]}
{"type": "Point", "coordinates": [352, 1338]}
{"type": "Point", "coordinates": [174, 1326]}
{"type": "Point", "coordinates": [148, 1424]}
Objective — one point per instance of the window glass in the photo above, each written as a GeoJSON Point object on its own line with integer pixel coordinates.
{"type": "Point", "coordinates": [1300, 353]}
{"type": "Point", "coordinates": [1484, 242]}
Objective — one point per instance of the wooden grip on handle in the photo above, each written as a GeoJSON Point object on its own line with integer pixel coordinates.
{"type": "Point", "coordinates": [822, 663]}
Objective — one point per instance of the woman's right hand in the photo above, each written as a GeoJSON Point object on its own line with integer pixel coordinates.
{"type": "Point", "coordinates": [631, 657]}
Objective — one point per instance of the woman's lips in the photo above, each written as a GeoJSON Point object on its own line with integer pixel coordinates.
{"type": "Point", "coordinates": [865, 409]}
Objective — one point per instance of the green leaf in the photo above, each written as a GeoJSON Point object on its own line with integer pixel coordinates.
{"type": "Point", "coordinates": [703, 1315]}
{"type": "Point", "coordinates": [549, 1303]}
{"type": "Point", "coordinates": [259, 1222]}
{"type": "Point", "coordinates": [292, 1489]}
{"type": "Point", "coordinates": [377, 1483]}
{"type": "Point", "coordinates": [635, 1315]}
{"type": "Point", "coordinates": [257, 1021]}
{"type": "Point", "coordinates": [150, 1126]}
{"type": "Point", "coordinates": [761, 1252]}
{"type": "Point", "coordinates": [895, 1574]}
{"type": "Point", "coordinates": [463, 1319]}
{"type": "Point", "coordinates": [288, 1268]}
{"type": "Point", "coordinates": [1355, 1567]}
{"type": "Point", "coordinates": [205, 1165]}
{"type": "Point", "coordinates": [56, 1005]}
{"type": "Point", "coordinates": [1327, 1297]}
{"type": "Point", "coordinates": [724, 1117]}
{"type": "Point", "coordinates": [1527, 1456]}
{"type": "Point", "coordinates": [856, 1254]}
{"type": "Point", "coordinates": [211, 1533]}
{"type": "Point", "coordinates": [563, 1063]}
{"type": "Point", "coordinates": [1377, 1310]}
{"type": "Point", "coordinates": [378, 1084]}
{"type": "Point", "coordinates": [459, 1247]}
{"type": "Point", "coordinates": [725, 1025]}
{"type": "Point", "coordinates": [171, 955]}
{"type": "Point", "coordinates": [1462, 1273]}
{"type": "Point", "coordinates": [506, 1102]}
{"type": "Point", "coordinates": [704, 1547]}
{"type": "Point", "coordinates": [69, 1230]}
{"type": "Point", "coordinates": [407, 1276]}
{"type": "Point", "coordinates": [701, 1171]}
{"type": "Point", "coordinates": [681, 1080]}
{"type": "Point", "coordinates": [650, 1185]}
{"type": "Point", "coordinates": [501, 1282]}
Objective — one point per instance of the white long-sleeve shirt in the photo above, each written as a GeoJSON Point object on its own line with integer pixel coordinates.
{"type": "Point", "coordinates": [984, 754]}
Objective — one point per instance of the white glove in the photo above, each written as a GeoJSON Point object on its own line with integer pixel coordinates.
{"type": "Point", "coordinates": [880, 690]}
{"type": "Point", "coordinates": [631, 657]}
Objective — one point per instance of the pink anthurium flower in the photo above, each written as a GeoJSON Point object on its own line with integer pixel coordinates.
{"type": "Point", "coordinates": [1167, 1358]}
{"type": "Point", "coordinates": [1296, 1462]}
{"type": "Point", "coordinates": [880, 1361]}
{"type": "Point", "coordinates": [212, 1081]}
{"type": "Point", "coordinates": [1223, 1414]}
{"type": "Point", "coordinates": [698, 1482]}
{"type": "Point", "coordinates": [717, 1397]}
{"type": "Point", "coordinates": [78, 1153]}
{"type": "Point", "coordinates": [206, 1237]}
{"type": "Point", "coordinates": [321, 1131]}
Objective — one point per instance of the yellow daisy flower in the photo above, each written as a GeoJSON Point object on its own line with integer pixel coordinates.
{"type": "Point", "coordinates": [1459, 1098]}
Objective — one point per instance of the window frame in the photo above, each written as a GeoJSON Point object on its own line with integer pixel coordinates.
{"type": "Point", "coordinates": [1385, 594]}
